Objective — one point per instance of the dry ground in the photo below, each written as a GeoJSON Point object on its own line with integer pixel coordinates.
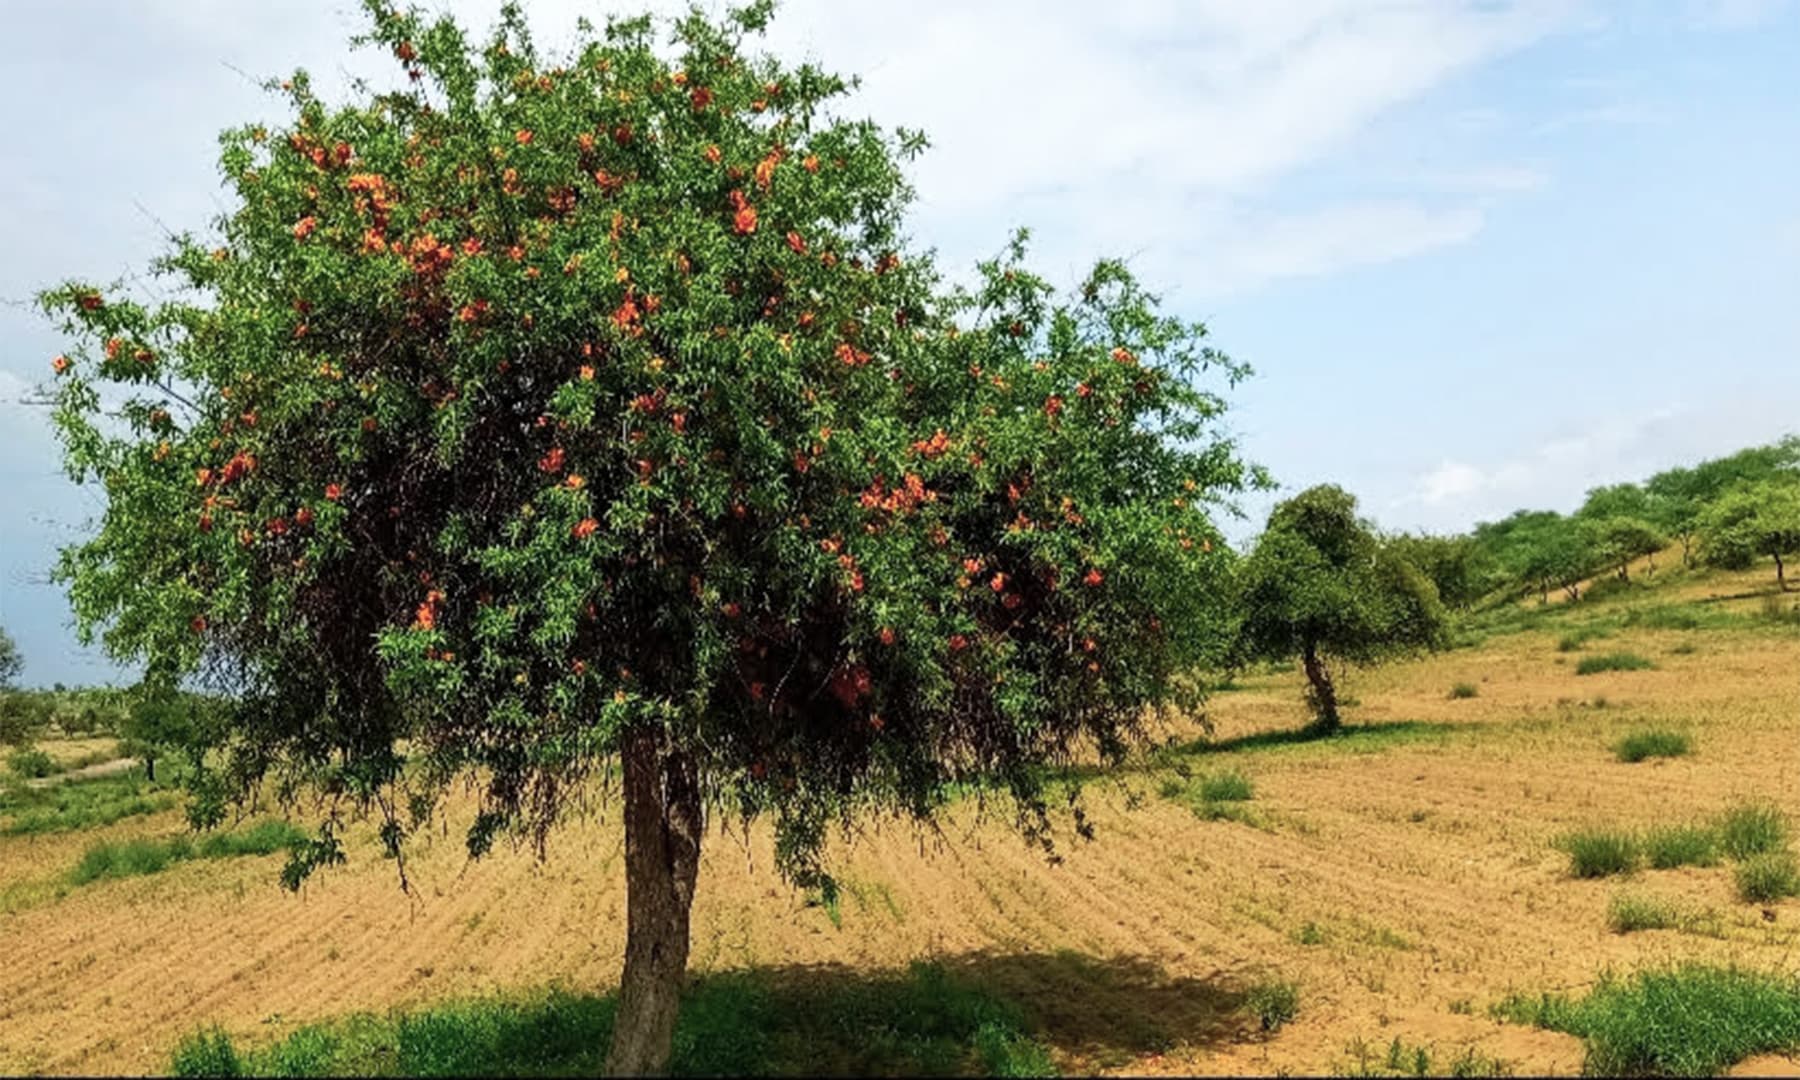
{"type": "Point", "coordinates": [1403, 880]}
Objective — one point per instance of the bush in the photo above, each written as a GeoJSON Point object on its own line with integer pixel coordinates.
{"type": "Point", "coordinates": [1619, 661]}
{"type": "Point", "coordinates": [207, 1053]}
{"type": "Point", "coordinates": [1631, 912]}
{"type": "Point", "coordinates": [1659, 742]}
{"type": "Point", "coordinates": [1595, 853]}
{"type": "Point", "coordinates": [138, 857]}
{"type": "Point", "coordinates": [1669, 846]}
{"type": "Point", "coordinates": [1463, 690]}
{"type": "Point", "coordinates": [1767, 877]}
{"type": "Point", "coordinates": [1274, 1002]}
{"type": "Point", "coordinates": [1228, 786]}
{"type": "Point", "coordinates": [31, 763]}
{"type": "Point", "coordinates": [1691, 1020]}
{"type": "Point", "coordinates": [1753, 829]}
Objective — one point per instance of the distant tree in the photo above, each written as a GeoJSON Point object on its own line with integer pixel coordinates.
{"type": "Point", "coordinates": [161, 720]}
{"type": "Point", "coordinates": [567, 414]}
{"type": "Point", "coordinates": [1460, 567]}
{"type": "Point", "coordinates": [1619, 539]}
{"type": "Point", "coordinates": [1677, 500]}
{"type": "Point", "coordinates": [1755, 520]}
{"type": "Point", "coordinates": [1320, 585]}
{"type": "Point", "coordinates": [1542, 550]}
{"type": "Point", "coordinates": [1616, 500]}
{"type": "Point", "coordinates": [11, 663]}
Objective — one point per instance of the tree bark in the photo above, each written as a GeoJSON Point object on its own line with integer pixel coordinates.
{"type": "Point", "coordinates": [663, 825]}
{"type": "Point", "coordinates": [150, 768]}
{"type": "Point", "coordinates": [1780, 573]}
{"type": "Point", "coordinates": [1325, 706]}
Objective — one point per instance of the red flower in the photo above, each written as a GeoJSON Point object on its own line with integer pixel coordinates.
{"type": "Point", "coordinates": [304, 227]}
{"type": "Point", "coordinates": [731, 609]}
{"type": "Point", "coordinates": [1123, 355]}
{"type": "Point", "coordinates": [850, 355]}
{"type": "Point", "coordinates": [998, 583]}
{"type": "Point", "coordinates": [277, 526]}
{"type": "Point", "coordinates": [89, 301]}
{"type": "Point", "coordinates": [700, 98]}
{"type": "Point", "coordinates": [523, 137]}
{"type": "Point", "coordinates": [1093, 578]}
{"type": "Point", "coordinates": [796, 242]}
{"type": "Point", "coordinates": [744, 221]}
{"type": "Point", "coordinates": [713, 154]}
{"type": "Point", "coordinates": [1084, 390]}
{"type": "Point", "coordinates": [426, 617]}
{"type": "Point", "coordinates": [199, 624]}
{"type": "Point", "coordinates": [552, 462]}
{"type": "Point", "coordinates": [60, 364]}
{"type": "Point", "coordinates": [958, 643]}
{"type": "Point", "coordinates": [585, 528]}
{"type": "Point", "coordinates": [1053, 405]}
{"type": "Point", "coordinates": [334, 492]}
{"type": "Point", "coordinates": [887, 635]}
{"type": "Point", "coordinates": [303, 516]}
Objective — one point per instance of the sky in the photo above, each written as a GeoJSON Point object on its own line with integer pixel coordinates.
{"type": "Point", "coordinates": [1481, 254]}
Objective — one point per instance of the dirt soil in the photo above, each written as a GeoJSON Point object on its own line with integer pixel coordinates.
{"type": "Point", "coordinates": [1405, 880]}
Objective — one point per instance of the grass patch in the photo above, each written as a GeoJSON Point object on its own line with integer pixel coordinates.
{"type": "Point", "coordinates": [1462, 691]}
{"type": "Point", "coordinates": [1596, 853]}
{"type": "Point", "coordinates": [1631, 912]}
{"type": "Point", "coordinates": [921, 1022]}
{"type": "Point", "coordinates": [1274, 1002]}
{"type": "Point", "coordinates": [1575, 639]}
{"type": "Point", "coordinates": [30, 764]}
{"type": "Point", "coordinates": [82, 804]}
{"type": "Point", "coordinates": [1669, 846]}
{"type": "Point", "coordinates": [1400, 1058]}
{"type": "Point", "coordinates": [1752, 829]}
{"type": "Point", "coordinates": [1688, 1020]}
{"type": "Point", "coordinates": [1617, 661]}
{"type": "Point", "coordinates": [1228, 786]}
{"type": "Point", "coordinates": [1771, 876]}
{"type": "Point", "coordinates": [1651, 743]}
{"type": "Point", "coordinates": [140, 857]}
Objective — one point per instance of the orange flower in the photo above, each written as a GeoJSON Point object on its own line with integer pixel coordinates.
{"type": "Point", "coordinates": [585, 528]}
{"type": "Point", "coordinates": [1123, 355]}
{"type": "Point", "coordinates": [731, 609]}
{"type": "Point", "coordinates": [796, 243]}
{"type": "Point", "coordinates": [60, 364]}
{"type": "Point", "coordinates": [334, 492]}
{"type": "Point", "coordinates": [523, 137]}
{"type": "Point", "coordinates": [713, 155]}
{"type": "Point", "coordinates": [1093, 578]}
{"type": "Point", "coordinates": [958, 642]}
{"type": "Point", "coordinates": [304, 227]}
{"type": "Point", "coordinates": [587, 373]}
{"type": "Point", "coordinates": [575, 482]}
{"type": "Point", "coordinates": [744, 221]}
{"type": "Point", "coordinates": [851, 356]}
{"type": "Point", "coordinates": [765, 169]}
{"type": "Point", "coordinates": [426, 617]}
{"type": "Point", "coordinates": [810, 163]}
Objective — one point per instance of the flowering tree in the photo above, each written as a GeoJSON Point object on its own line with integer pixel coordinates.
{"type": "Point", "coordinates": [557, 413]}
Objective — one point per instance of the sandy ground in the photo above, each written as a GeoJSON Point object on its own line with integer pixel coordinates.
{"type": "Point", "coordinates": [1422, 866]}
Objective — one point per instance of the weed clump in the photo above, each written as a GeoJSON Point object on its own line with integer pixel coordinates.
{"type": "Point", "coordinates": [1274, 1002]}
{"type": "Point", "coordinates": [1753, 829]}
{"type": "Point", "coordinates": [1773, 875]}
{"type": "Point", "coordinates": [1463, 691]}
{"type": "Point", "coordinates": [1655, 743]}
{"type": "Point", "coordinates": [1670, 846]}
{"type": "Point", "coordinates": [1618, 661]}
{"type": "Point", "coordinates": [1631, 912]}
{"type": "Point", "coordinates": [1596, 853]}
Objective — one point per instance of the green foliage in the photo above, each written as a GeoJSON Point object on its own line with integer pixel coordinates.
{"type": "Point", "coordinates": [1462, 691]}
{"type": "Point", "coordinates": [559, 396]}
{"type": "Point", "coordinates": [1657, 742]}
{"type": "Point", "coordinates": [1322, 586]}
{"type": "Point", "coordinates": [140, 857]}
{"type": "Point", "coordinates": [1228, 786]}
{"type": "Point", "coordinates": [1772, 875]}
{"type": "Point", "coordinates": [1618, 661]}
{"type": "Point", "coordinates": [1575, 639]}
{"type": "Point", "coordinates": [1597, 853]}
{"type": "Point", "coordinates": [1756, 828]}
{"type": "Point", "coordinates": [1631, 912]}
{"type": "Point", "coordinates": [1754, 521]}
{"type": "Point", "coordinates": [1669, 846]}
{"type": "Point", "coordinates": [923, 1022]}
{"type": "Point", "coordinates": [1686, 1020]}
{"type": "Point", "coordinates": [1274, 1002]}
{"type": "Point", "coordinates": [1459, 566]}
{"type": "Point", "coordinates": [80, 804]}
{"type": "Point", "coordinates": [1620, 539]}
{"type": "Point", "coordinates": [30, 763]}
{"type": "Point", "coordinates": [11, 663]}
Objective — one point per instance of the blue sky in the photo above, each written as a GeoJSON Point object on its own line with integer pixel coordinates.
{"type": "Point", "coordinates": [1483, 254]}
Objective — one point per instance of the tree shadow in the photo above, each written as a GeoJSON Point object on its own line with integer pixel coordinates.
{"type": "Point", "coordinates": [1349, 737]}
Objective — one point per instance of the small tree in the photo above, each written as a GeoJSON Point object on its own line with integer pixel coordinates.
{"type": "Point", "coordinates": [1322, 586]}
{"type": "Point", "coordinates": [1755, 520]}
{"type": "Point", "coordinates": [160, 720]}
{"type": "Point", "coordinates": [560, 413]}
{"type": "Point", "coordinates": [11, 663]}
{"type": "Point", "coordinates": [1620, 539]}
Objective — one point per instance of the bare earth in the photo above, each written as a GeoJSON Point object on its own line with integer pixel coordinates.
{"type": "Point", "coordinates": [1423, 866]}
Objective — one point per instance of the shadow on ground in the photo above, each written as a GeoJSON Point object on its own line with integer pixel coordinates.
{"type": "Point", "coordinates": [1017, 1014]}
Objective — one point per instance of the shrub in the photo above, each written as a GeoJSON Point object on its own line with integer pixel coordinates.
{"type": "Point", "coordinates": [1631, 912]}
{"type": "Point", "coordinates": [1753, 829]}
{"type": "Point", "coordinates": [1274, 1002]}
{"type": "Point", "coordinates": [1667, 847]}
{"type": "Point", "coordinates": [1228, 786]}
{"type": "Point", "coordinates": [1463, 690]}
{"type": "Point", "coordinates": [1690, 1020]}
{"type": "Point", "coordinates": [1595, 853]}
{"type": "Point", "coordinates": [1619, 661]}
{"type": "Point", "coordinates": [138, 857]}
{"type": "Point", "coordinates": [207, 1053]}
{"type": "Point", "coordinates": [1770, 876]}
{"type": "Point", "coordinates": [31, 763]}
{"type": "Point", "coordinates": [1659, 742]}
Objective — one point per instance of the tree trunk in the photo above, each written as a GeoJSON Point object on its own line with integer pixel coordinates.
{"type": "Point", "coordinates": [150, 768]}
{"type": "Point", "coordinates": [663, 824]}
{"type": "Point", "coordinates": [1324, 695]}
{"type": "Point", "coordinates": [1780, 573]}
{"type": "Point", "coordinates": [1687, 561]}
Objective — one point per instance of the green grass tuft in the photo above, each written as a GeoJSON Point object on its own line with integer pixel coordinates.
{"type": "Point", "coordinates": [1618, 661]}
{"type": "Point", "coordinates": [1462, 691]}
{"type": "Point", "coordinates": [1595, 853]}
{"type": "Point", "coordinates": [1669, 846]}
{"type": "Point", "coordinates": [1771, 876]}
{"type": "Point", "coordinates": [1753, 829]}
{"type": "Point", "coordinates": [1228, 786]}
{"type": "Point", "coordinates": [31, 764]}
{"type": "Point", "coordinates": [1631, 912]}
{"type": "Point", "coordinates": [1690, 1020]}
{"type": "Point", "coordinates": [1657, 742]}
{"type": "Point", "coordinates": [139, 857]}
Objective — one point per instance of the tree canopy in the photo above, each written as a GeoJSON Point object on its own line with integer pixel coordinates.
{"type": "Point", "coordinates": [1754, 521]}
{"type": "Point", "coordinates": [11, 663]}
{"type": "Point", "coordinates": [1322, 586]}
{"type": "Point", "coordinates": [553, 411]}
